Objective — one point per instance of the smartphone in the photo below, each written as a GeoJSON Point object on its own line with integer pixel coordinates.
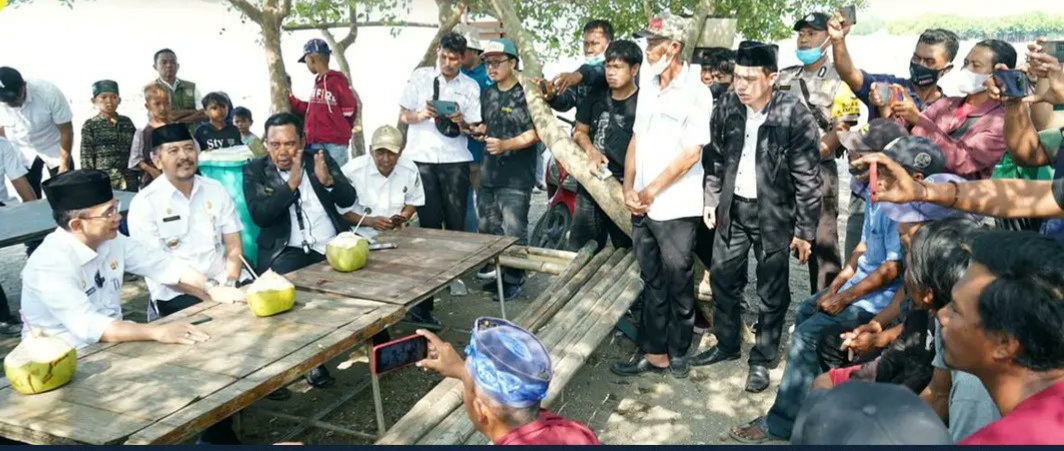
{"type": "Point", "coordinates": [1013, 83]}
{"type": "Point", "coordinates": [849, 13]}
{"type": "Point", "coordinates": [884, 91]}
{"type": "Point", "coordinates": [445, 108]}
{"type": "Point", "coordinates": [897, 94]}
{"type": "Point", "coordinates": [399, 353]}
{"type": "Point", "coordinates": [200, 320]}
{"type": "Point", "coordinates": [873, 181]}
{"type": "Point", "coordinates": [1054, 48]}
{"type": "Point", "coordinates": [603, 173]}
{"type": "Point", "coordinates": [398, 220]}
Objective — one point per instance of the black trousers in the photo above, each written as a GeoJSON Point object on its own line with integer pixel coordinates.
{"type": "Point", "coordinates": [826, 261]}
{"type": "Point", "coordinates": [446, 195]}
{"type": "Point", "coordinates": [33, 177]}
{"type": "Point", "coordinates": [293, 258]}
{"type": "Point", "coordinates": [728, 276]}
{"type": "Point", "coordinates": [5, 311]}
{"type": "Point", "coordinates": [162, 309]}
{"type": "Point", "coordinates": [666, 262]}
{"type": "Point", "coordinates": [592, 223]}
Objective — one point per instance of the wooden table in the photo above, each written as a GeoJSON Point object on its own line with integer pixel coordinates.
{"type": "Point", "coordinates": [425, 261]}
{"type": "Point", "coordinates": [32, 220]}
{"type": "Point", "coordinates": [151, 393]}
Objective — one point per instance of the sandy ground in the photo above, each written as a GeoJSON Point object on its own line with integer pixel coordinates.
{"type": "Point", "coordinates": [655, 409]}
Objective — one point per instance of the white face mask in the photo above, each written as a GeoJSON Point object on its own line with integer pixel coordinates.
{"type": "Point", "coordinates": [660, 66]}
{"type": "Point", "coordinates": [969, 82]}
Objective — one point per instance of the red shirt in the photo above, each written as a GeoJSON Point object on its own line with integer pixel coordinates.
{"type": "Point", "coordinates": [550, 429]}
{"type": "Point", "coordinates": [1038, 420]}
{"type": "Point", "coordinates": [975, 153]}
{"type": "Point", "coordinates": [330, 112]}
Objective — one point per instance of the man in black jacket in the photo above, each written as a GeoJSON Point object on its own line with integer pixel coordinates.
{"type": "Point", "coordinates": [297, 210]}
{"type": "Point", "coordinates": [764, 191]}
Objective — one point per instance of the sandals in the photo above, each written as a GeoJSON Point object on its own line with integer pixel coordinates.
{"type": "Point", "coordinates": [758, 427]}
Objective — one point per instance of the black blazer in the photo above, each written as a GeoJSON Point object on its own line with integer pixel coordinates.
{"type": "Point", "coordinates": [788, 168]}
{"type": "Point", "coordinates": [269, 198]}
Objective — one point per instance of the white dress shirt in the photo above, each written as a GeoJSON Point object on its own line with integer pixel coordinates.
{"type": "Point", "coordinates": [74, 293]}
{"type": "Point", "coordinates": [187, 228]}
{"type": "Point", "coordinates": [667, 121]}
{"type": "Point", "coordinates": [384, 196]}
{"type": "Point", "coordinates": [425, 144]}
{"type": "Point", "coordinates": [32, 126]}
{"type": "Point", "coordinates": [11, 167]}
{"type": "Point", "coordinates": [746, 178]}
{"type": "Point", "coordinates": [317, 228]}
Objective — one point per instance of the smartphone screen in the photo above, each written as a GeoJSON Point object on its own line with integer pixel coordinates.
{"type": "Point", "coordinates": [399, 353]}
{"type": "Point", "coordinates": [1054, 48]}
{"type": "Point", "coordinates": [444, 107]}
{"type": "Point", "coordinates": [884, 91]}
{"type": "Point", "coordinates": [873, 181]}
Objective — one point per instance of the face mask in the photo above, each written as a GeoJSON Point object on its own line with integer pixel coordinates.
{"type": "Point", "coordinates": [595, 60]}
{"type": "Point", "coordinates": [660, 66]}
{"type": "Point", "coordinates": [922, 76]}
{"type": "Point", "coordinates": [809, 56]}
{"type": "Point", "coordinates": [971, 82]}
{"type": "Point", "coordinates": [718, 88]}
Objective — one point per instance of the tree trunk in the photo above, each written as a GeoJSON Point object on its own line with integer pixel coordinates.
{"type": "Point", "coordinates": [704, 10]}
{"type": "Point", "coordinates": [607, 193]}
{"type": "Point", "coordinates": [358, 137]}
{"type": "Point", "coordinates": [450, 15]}
{"type": "Point", "coordinates": [271, 42]}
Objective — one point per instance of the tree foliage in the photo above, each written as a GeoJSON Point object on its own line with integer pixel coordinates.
{"type": "Point", "coordinates": [557, 24]}
{"type": "Point", "coordinates": [338, 11]}
{"type": "Point", "coordinates": [1018, 28]}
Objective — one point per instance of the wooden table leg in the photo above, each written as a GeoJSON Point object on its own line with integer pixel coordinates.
{"type": "Point", "coordinates": [382, 427]}
{"type": "Point", "coordinates": [498, 283]}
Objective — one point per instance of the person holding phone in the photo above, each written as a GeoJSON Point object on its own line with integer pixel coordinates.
{"type": "Point", "coordinates": [968, 129]}
{"type": "Point", "coordinates": [506, 375]}
{"type": "Point", "coordinates": [438, 144]}
{"type": "Point", "coordinates": [818, 85]}
{"type": "Point", "coordinates": [390, 189]}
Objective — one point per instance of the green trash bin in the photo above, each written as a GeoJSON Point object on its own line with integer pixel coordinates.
{"type": "Point", "coordinates": [227, 167]}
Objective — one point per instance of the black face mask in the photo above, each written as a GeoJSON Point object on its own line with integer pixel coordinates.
{"type": "Point", "coordinates": [923, 76]}
{"type": "Point", "coordinates": [718, 88]}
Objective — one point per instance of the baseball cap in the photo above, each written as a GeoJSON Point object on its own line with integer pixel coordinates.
{"type": "Point", "coordinates": [387, 137]}
{"type": "Point", "coordinates": [867, 413]}
{"type": "Point", "coordinates": [918, 154]}
{"type": "Point", "coordinates": [924, 211]}
{"type": "Point", "coordinates": [508, 363]}
{"type": "Point", "coordinates": [816, 21]}
{"type": "Point", "coordinates": [501, 46]}
{"type": "Point", "coordinates": [666, 26]}
{"type": "Point", "coordinates": [11, 84]}
{"type": "Point", "coordinates": [315, 46]}
{"type": "Point", "coordinates": [873, 136]}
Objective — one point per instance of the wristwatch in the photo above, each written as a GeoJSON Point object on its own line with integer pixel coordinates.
{"type": "Point", "coordinates": [230, 283]}
{"type": "Point", "coordinates": [209, 285]}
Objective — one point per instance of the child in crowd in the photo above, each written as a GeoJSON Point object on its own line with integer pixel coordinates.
{"type": "Point", "coordinates": [157, 102]}
{"type": "Point", "coordinates": [106, 138]}
{"type": "Point", "coordinates": [243, 122]}
{"type": "Point", "coordinates": [217, 133]}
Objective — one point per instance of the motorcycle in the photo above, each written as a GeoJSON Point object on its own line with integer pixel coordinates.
{"type": "Point", "coordinates": [552, 229]}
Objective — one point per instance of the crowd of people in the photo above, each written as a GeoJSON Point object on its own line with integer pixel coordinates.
{"type": "Point", "coordinates": [942, 313]}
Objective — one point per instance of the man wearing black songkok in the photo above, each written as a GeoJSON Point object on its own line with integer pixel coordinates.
{"type": "Point", "coordinates": [764, 191]}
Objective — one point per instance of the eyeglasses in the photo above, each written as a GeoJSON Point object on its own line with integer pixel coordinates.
{"type": "Point", "coordinates": [495, 62]}
{"type": "Point", "coordinates": [111, 213]}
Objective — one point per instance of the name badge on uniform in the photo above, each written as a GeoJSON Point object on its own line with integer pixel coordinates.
{"type": "Point", "coordinates": [90, 291]}
{"type": "Point", "coordinates": [172, 218]}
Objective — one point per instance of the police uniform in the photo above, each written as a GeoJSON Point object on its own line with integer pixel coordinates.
{"type": "Point", "coordinates": [831, 101]}
{"type": "Point", "coordinates": [384, 196]}
{"type": "Point", "coordinates": [72, 291]}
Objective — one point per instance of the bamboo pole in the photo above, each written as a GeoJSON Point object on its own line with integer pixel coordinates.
{"type": "Point", "coordinates": [526, 264]}
{"type": "Point", "coordinates": [556, 298]}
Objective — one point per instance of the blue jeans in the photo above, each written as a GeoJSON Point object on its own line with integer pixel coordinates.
{"type": "Point", "coordinates": [338, 152]}
{"type": "Point", "coordinates": [504, 211]}
{"type": "Point", "coordinates": [802, 363]}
